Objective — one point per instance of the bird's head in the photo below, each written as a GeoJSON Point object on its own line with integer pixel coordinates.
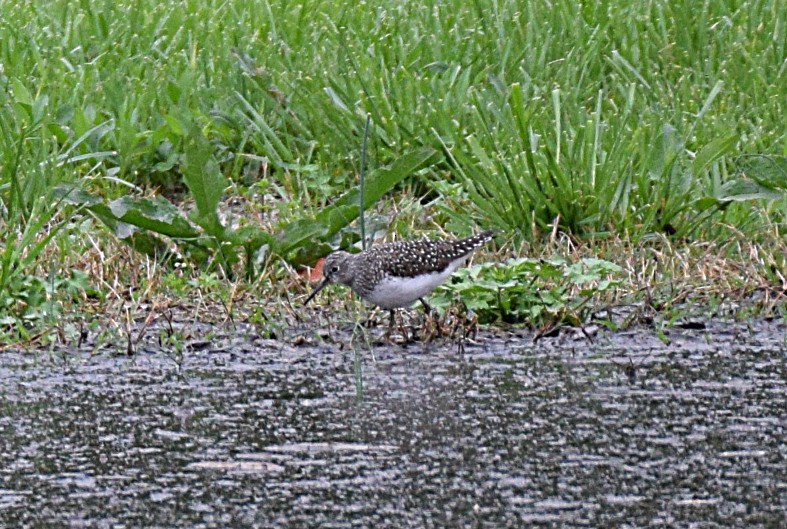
{"type": "Point", "coordinates": [335, 269]}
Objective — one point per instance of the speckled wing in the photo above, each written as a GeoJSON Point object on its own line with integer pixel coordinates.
{"type": "Point", "coordinates": [412, 258]}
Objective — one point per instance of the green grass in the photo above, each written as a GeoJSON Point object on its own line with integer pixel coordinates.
{"type": "Point", "coordinates": [598, 119]}
{"type": "Point", "coordinates": [294, 83]}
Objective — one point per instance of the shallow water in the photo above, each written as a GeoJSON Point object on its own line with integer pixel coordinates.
{"type": "Point", "coordinates": [508, 434]}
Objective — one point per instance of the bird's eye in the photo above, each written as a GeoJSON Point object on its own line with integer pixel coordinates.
{"type": "Point", "coordinates": [334, 269]}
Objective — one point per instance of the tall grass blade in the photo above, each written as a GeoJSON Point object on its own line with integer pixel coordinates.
{"type": "Point", "coordinates": [361, 182]}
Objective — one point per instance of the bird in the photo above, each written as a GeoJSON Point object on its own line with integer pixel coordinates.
{"type": "Point", "coordinates": [397, 274]}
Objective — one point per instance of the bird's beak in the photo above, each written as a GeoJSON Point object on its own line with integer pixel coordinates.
{"type": "Point", "coordinates": [319, 287]}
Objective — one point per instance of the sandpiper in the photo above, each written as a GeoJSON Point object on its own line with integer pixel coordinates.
{"type": "Point", "coordinates": [400, 273]}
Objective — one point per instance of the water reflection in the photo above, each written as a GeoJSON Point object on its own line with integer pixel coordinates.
{"type": "Point", "coordinates": [507, 435]}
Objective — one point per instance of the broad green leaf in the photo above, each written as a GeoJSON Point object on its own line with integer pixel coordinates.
{"type": "Point", "coordinates": [253, 236]}
{"type": "Point", "coordinates": [742, 190]}
{"type": "Point", "coordinates": [156, 214]}
{"type": "Point", "coordinates": [601, 265]}
{"type": "Point", "coordinates": [205, 182]}
{"type": "Point", "coordinates": [298, 233]}
{"type": "Point", "coordinates": [75, 196]}
{"type": "Point", "coordinates": [476, 304]}
{"type": "Point", "coordinates": [21, 93]}
{"type": "Point", "coordinates": [39, 108]}
{"type": "Point", "coordinates": [60, 132]}
{"type": "Point", "coordinates": [706, 203]}
{"type": "Point", "coordinates": [712, 152]}
{"type": "Point", "coordinates": [143, 242]}
{"type": "Point", "coordinates": [769, 171]}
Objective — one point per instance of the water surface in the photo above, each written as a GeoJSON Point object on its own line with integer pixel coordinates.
{"type": "Point", "coordinates": [625, 432]}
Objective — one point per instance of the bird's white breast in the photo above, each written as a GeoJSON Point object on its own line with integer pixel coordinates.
{"type": "Point", "coordinates": [395, 292]}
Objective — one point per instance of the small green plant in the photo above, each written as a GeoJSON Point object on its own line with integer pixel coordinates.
{"type": "Point", "coordinates": [530, 291]}
{"type": "Point", "coordinates": [202, 237]}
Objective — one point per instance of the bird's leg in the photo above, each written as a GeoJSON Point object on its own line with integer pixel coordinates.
{"type": "Point", "coordinates": [428, 319]}
{"type": "Point", "coordinates": [370, 320]}
{"type": "Point", "coordinates": [402, 329]}
{"type": "Point", "coordinates": [387, 336]}
{"type": "Point", "coordinates": [427, 308]}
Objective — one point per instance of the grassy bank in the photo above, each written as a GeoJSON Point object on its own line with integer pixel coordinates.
{"type": "Point", "coordinates": [230, 132]}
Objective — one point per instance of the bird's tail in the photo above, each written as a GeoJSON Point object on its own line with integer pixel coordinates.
{"type": "Point", "coordinates": [477, 240]}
